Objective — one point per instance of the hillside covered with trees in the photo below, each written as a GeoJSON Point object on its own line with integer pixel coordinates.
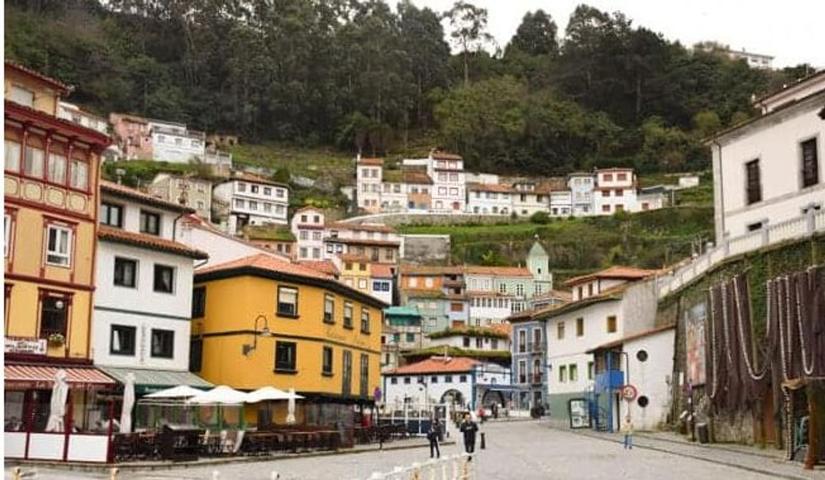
{"type": "Point", "coordinates": [361, 75]}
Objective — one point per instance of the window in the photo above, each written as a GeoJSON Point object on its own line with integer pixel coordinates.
{"type": "Point", "coordinates": [254, 188]}
{"type": "Point", "coordinates": [619, 208]}
{"type": "Point", "coordinates": [59, 246]}
{"type": "Point", "coordinates": [605, 193]}
{"type": "Point", "coordinates": [810, 163]}
{"type": "Point", "coordinates": [56, 171]}
{"type": "Point", "coordinates": [23, 96]}
{"type": "Point", "coordinates": [285, 356]}
{"type": "Point", "coordinates": [365, 320]}
{"type": "Point", "coordinates": [590, 370]}
{"type": "Point", "coordinates": [195, 354]}
{"type": "Point", "coordinates": [149, 223]}
{"type": "Point", "coordinates": [79, 175]}
{"type": "Point", "coordinates": [253, 205]}
{"type": "Point", "coordinates": [287, 302]}
{"type": "Point", "coordinates": [329, 309]}
{"type": "Point", "coordinates": [621, 176]}
{"type": "Point", "coordinates": [12, 155]}
{"type": "Point", "coordinates": [125, 272]}
{"type": "Point", "coordinates": [466, 342]}
{"type": "Point", "coordinates": [163, 343]}
{"type": "Point", "coordinates": [608, 177]}
{"type": "Point", "coordinates": [522, 341]}
{"type": "Point", "coordinates": [362, 283]}
{"type": "Point", "coordinates": [409, 337]}
{"type": "Point", "coordinates": [164, 279]}
{"type": "Point", "coordinates": [53, 315]}
{"type": "Point", "coordinates": [111, 215]}
{"type": "Point", "coordinates": [562, 374]}
{"type": "Point", "coordinates": [326, 368]}
{"type": "Point", "coordinates": [279, 193]}
{"type": "Point", "coordinates": [580, 327]}
{"type": "Point", "coordinates": [365, 375]}
{"type": "Point", "coordinates": [753, 183]}
{"type": "Point", "coordinates": [479, 343]}
{"type": "Point", "coordinates": [619, 192]}
{"type": "Point", "coordinates": [611, 324]}
{"type": "Point", "coordinates": [122, 341]}
{"type": "Point", "coordinates": [462, 379]}
{"type": "Point", "coordinates": [241, 187]}
{"type": "Point", "coordinates": [520, 289]}
{"type": "Point", "coordinates": [238, 203]}
{"type": "Point", "coordinates": [428, 282]}
{"type": "Point", "coordinates": [33, 162]}
{"type": "Point", "coordinates": [434, 379]}
{"type": "Point", "coordinates": [560, 330]}
{"type": "Point", "coordinates": [346, 373]}
{"type": "Point", "coordinates": [347, 315]}
{"type": "Point", "coordinates": [574, 372]}
{"type": "Point", "coordinates": [198, 302]}
{"type": "Point", "coordinates": [407, 380]}
{"type": "Point", "coordinates": [456, 307]}
{"type": "Point", "coordinates": [606, 208]}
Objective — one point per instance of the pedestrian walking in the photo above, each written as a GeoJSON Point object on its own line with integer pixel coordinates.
{"type": "Point", "coordinates": [469, 429]}
{"type": "Point", "coordinates": [432, 435]}
{"type": "Point", "coordinates": [627, 426]}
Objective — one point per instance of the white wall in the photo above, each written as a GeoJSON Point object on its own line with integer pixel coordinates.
{"type": "Point", "coordinates": [219, 246]}
{"type": "Point", "coordinates": [776, 145]}
{"type": "Point", "coordinates": [395, 393]}
{"type": "Point", "coordinates": [166, 147]}
{"type": "Point", "coordinates": [650, 378]}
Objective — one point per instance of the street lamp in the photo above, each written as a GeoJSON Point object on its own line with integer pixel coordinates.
{"type": "Point", "coordinates": [247, 348]}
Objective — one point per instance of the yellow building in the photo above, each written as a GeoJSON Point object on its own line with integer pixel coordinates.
{"type": "Point", "coordinates": [356, 272]}
{"type": "Point", "coordinates": [51, 177]}
{"type": "Point", "coordinates": [262, 321]}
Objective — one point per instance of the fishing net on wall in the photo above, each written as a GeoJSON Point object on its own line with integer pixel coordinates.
{"type": "Point", "coordinates": [740, 370]}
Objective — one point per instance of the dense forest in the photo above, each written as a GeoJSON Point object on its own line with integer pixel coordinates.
{"type": "Point", "coordinates": [363, 75]}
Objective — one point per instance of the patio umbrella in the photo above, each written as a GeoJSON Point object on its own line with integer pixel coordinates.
{"type": "Point", "coordinates": [128, 404]}
{"type": "Point", "coordinates": [181, 391]}
{"type": "Point", "coordinates": [221, 395]}
{"type": "Point", "coordinates": [266, 393]}
{"type": "Point", "coordinates": [290, 415]}
{"type": "Point", "coordinates": [57, 410]}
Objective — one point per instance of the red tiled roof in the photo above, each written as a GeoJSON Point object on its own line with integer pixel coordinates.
{"type": "Point", "coordinates": [251, 177]}
{"type": "Point", "coordinates": [323, 266]}
{"type": "Point", "coordinates": [265, 262]}
{"type": "Point", "coordinates": [498, 271]}
{"type": "Point", "coordinates": [560, 294]}
{"type": "Point", "coordinates": [43, 78]}
{"type": "Point", "coordinates": [442, 155]}
{"type": "Point", "coordinates": [309, 208]}
{"type": "Point", "coordinates": [133, 194]}
{"type": "Point", "coordinates": [363, 241]}
{"type": "Point", "coordinates": [378, 270]}
{"type": "Point", "coordinates": [376, 162]}
{"type": "Point", "coordinates": [614, 272]}
{"type": "Point", "coordinates": [148, 241]}
{"type": "Point", "coordinates": [408, 269]}
{"type": "Point", "coordinates": [614, 169]}
{"type": "Point", "coordinates": [416, 177]}
{"type": "Point", "coordinates": [437, 365]}
{"type": "Point", "coordinates": [361, 227]}
{"type": "Point", "coordinates": [489, 187]}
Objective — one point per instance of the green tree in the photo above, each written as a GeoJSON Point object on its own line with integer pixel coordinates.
{"type": "Point", "coordinates": [469, 31]}
{"type": "Point", "coordinates": [536, 35]}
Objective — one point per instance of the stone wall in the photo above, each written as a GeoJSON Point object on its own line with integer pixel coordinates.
{"type": "Point", "coordinates": [426, 248]}
{"type": "Point", "coordinates": [760, 266]}
{"type": "Point", "coordinates": [396, 219]}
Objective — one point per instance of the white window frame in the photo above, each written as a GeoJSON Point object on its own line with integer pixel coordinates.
{"type": "Point", "coordinates": [57, 254]}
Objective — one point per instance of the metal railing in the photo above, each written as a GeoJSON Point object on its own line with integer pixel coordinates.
{"type": "Point", "coordinates": [450, 467]}
{"type": "Point", "coordinates": [795, 228]}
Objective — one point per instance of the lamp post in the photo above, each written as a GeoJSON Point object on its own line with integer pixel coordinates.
{"type": "Point", "coordinates": [247, 348]}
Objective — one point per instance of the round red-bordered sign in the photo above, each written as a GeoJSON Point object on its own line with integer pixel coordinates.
{"type": "Point", "coordinates": [629, 393]}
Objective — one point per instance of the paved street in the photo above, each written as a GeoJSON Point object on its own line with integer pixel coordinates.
{"type": "Point", "coordinates": [516, 450]}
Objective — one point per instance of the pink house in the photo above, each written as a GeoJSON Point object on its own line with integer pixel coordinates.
{"type": "Point", "coordinates": [132, 135]}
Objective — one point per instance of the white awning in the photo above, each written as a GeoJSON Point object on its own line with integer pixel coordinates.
{"type": "Point", "coordinates": [220, 395]}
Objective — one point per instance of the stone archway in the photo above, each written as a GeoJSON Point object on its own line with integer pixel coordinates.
{"type": "Point", "coordinates": [453, 396]}
{"type": "Point", "coordinates": [493, 396]}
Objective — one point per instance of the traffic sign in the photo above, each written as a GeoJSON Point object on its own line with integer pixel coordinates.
{"type": "Point", "coordinates": [629, 392]}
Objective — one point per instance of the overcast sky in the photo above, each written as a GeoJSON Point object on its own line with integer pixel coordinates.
{"type": "Point", "coordinates": [793, 31]}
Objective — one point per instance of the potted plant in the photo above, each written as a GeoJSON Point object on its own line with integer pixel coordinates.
{"type": "Point", "coordinates": [56, 339]}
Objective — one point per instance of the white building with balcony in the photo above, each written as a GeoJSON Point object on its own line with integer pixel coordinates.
{"type": "Point", "coordinates": [530, 197]}
{"type": "Point", "coordinates": [73, 113]}
{"type": "Point", "coordinates": [489, 199]}
{"type": "Point", "coordinates": [615, 191]}
{"type": "Point", "coordinates": [143, 300]}
{"type": "Point", "coordinates": [309, 229]}
{"type": "Point", "coordinates": [449, 181]}
{"type": "Point", "coordinates": [368, 179]}
{"type": "Point", "coordinates": [561, 203]}
{"type": "Point", "coordinates": [174, 143]}
{"type": "Point", "coordinates": [581, 186]}
{"type": "Point", "coordinates": [769, 169]}
{"type": "Point", "coordinates": [248, 199]}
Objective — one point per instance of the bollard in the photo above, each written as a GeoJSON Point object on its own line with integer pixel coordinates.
{"type": "Point", "coordinates": [483, 443]}
{"type": "Point", "coordinates": [113, 473]}
{"type": "Point", "coordinates": [444, 471]}
{"type": "Point", "coordinates": [215, 475]}
{"type": "Point", "coordinates": [16, 474]}
{"type": "Point", "coordinates": [274, 476]}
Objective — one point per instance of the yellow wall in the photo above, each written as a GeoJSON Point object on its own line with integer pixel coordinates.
{"type": "Point", "coordinates": [231, 308]}
{"type": "Point", "coordinates": [45, 98]}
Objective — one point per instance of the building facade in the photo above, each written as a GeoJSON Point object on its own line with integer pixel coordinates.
{"type": "Point", "coordinates": [190, 191]}
{"type": "Point", "coordinates": [51, 182]}
{"type": "Point", "coordinates": [248, 199]}
{"type": "Point", "coordinates": [402, 333]}
{"type": "Point", "coordinates": [261, 322]}
{"type": "Point", "coordinates": [142, 307]}
{"type": "Point", "coordinates": [615, 191]}
{"type": "Point", "coordinates": [769, 169]}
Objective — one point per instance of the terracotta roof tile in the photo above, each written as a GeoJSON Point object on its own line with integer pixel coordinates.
{"type": "Point", "coordinates": [376, 162]}
{"type": "Point", "coordinates": [265, 262]}
{"type": "Point", "coordinates": [497, 271]}
{"type": "Point", "coordinates": [112, 188]}
{"type": "Point", "coordinates": [489, 187]}
{"type": "Point", "coordinates": [148, 241]}
{"type": "Point", "coordinates": [43, 78]}
{"type": "Point", "coordinates": [416, 176]}
{"type": "Point", "coordinates": [437, 365]}
{"type": "Point", "coordinates": [251, 177]}
{"type": "Point", "coordinates": [442, 155]}
{"type": "Point", "coordinates": [409, 269]}
{"type": "Point", "coordinates": [361, 227]}
{"type": "Point", "coordinates": [614, 272]}
{"type": "Point", "coordinates": [378, 270]}
{"type": "Point", "coordinates": [323, 266]}
{"type": "Point", "coordinates": [23, 113]}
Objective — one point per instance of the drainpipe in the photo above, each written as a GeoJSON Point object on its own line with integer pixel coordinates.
{"type": "Point", "coordinates": [175, 226]}
{"type": "Point", "coordinates": [721, 233]}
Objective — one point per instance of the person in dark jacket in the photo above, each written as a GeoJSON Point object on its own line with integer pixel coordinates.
{"type": "Point", "coordinates": [469, 429]}
{"type": "Point", "coordinates": [432, 436]}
